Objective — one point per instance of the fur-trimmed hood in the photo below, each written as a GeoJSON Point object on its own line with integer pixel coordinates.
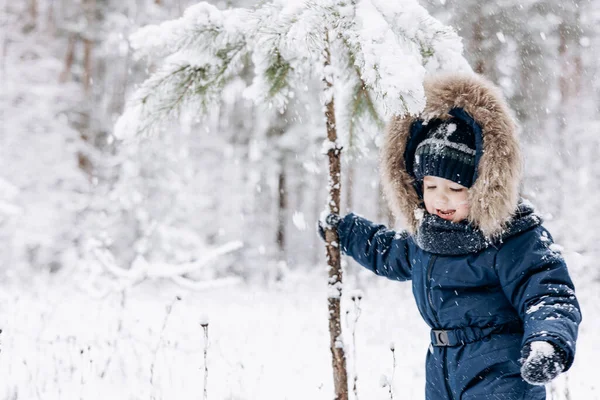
{"type": "Point", "coordinates": [495, 192]}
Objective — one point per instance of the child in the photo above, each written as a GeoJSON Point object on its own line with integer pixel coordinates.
{"type": "Point", "coordinates": [485, 277]}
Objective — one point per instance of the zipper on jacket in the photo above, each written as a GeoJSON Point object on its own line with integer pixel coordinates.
{"type": "Point", "coordinates": [445, 349]}
{"type": "Point", "coordinates": [450, 395]}
{"type": "Point", "coordinates": [428, 287]}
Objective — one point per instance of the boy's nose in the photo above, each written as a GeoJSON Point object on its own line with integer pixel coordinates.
{"type": "Point", "coordinates": [441, 201]}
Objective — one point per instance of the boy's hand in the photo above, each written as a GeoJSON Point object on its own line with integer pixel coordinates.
{"type": "Point", "coordinates": [542, 362]}
{"type": "Point", "coordinates": [331, 221]}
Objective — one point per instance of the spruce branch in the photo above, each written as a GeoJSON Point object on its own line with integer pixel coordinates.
{"type": "Point", "coordinates": [277, 74]}
{"type": "Point", "coordinates": [362, 102]}
{"type": "Point", "coordinates": [182, 82]}
{"type": "Point", "coordinates": [200, 28]}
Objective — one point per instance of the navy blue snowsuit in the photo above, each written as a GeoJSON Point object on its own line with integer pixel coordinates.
{"type": "Point", "coordinates": [482, 306]}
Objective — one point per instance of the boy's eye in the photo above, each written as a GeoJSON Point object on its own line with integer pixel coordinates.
{"type": "Point", "coordinates": [456, 190]}
{"type": "Point", "coordinates": [430, 187]}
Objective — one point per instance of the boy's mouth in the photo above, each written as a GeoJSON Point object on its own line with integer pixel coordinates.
{"type": "Point", "coordinates": [445, 214]}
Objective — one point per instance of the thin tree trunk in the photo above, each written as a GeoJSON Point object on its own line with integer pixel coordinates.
{"type": "Point", "coordinates": [383, 210]}
{"type": "Point", "coordinates": [478, 40]}
{"type": "Point", "coordinates": [281, 211]}
{"type": "Point", "coordinates": [340, 374]}
{"type": "Point", "coordinates": [567, 391]}
{"type": "Point", "coordinates": [87, 64]}
{"type": "Point", "coordinates": [350, 186]}
{"type": "Point", "coordinates": [69, 58]}
{"type": "Point", "coordinates": [567, 86]}
{"type": "Point", "coordinates": [33, 11]}
{"type": "Point", "coordinates": [314, 187]}
{"type": "Point", "coordinates": [90, 7]}
{"type": "Point", "coordinates": [51, 22]}
{"type": "Point", "coordinates": [3, 59]}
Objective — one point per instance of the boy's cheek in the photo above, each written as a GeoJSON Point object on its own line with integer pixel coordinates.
{"type": "Point", "coordinates": [462, 213]}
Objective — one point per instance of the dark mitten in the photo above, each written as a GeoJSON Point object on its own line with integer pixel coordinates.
{"type": "Point", "coordinates": [542, 362]}
{"type": "Point", "coordinates": [331, 221]}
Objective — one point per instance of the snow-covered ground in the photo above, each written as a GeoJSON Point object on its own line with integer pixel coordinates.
{"type": "Point", "coordinates": [264, 342]}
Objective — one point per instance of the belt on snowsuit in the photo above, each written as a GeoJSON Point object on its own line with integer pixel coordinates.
{"type": "Point", "coordinates": [470, 334]}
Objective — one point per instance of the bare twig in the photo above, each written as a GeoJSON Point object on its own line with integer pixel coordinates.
{"type": "Point", "coordinates": [392, 348]}
{"type": "Point", "coordinates": [116, 341]}
{"type": "Point", "coordinates": [204, 324]}
{"type": "Point", "coordinates": [142, 270]}
{"type": "Point", "coordinates": [567, 391]}
{"type": "Point", "coordinates": [356, 298]}
{"type": "Point", "coordinates": [160, 338]}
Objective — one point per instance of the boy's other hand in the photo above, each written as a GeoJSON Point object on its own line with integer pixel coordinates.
{"type": "Point", "coordinates": [542, 362]}
{"type": "Point", "coordinates": [331, 221]}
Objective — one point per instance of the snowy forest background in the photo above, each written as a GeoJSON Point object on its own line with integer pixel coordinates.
{"type": "Point", "coordinates": [116, 254]}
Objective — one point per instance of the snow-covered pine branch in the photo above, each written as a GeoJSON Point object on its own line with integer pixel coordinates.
{"type": "Point", "coordinates": [202, 27]}
{"type": "Point", "coordinates": [440, 46]}
{"type": "Point", "coordinates": [358, 112]}
{"type": "Point", "coordinates": [389, 45]}
{"type": "Point", "coordinates": [203, 50]}
{"type": "Point", "coordinates": [392, 43]}
{"type": "Point", "coordinates": [285, 37]}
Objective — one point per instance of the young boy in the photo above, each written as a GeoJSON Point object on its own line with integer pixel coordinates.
{"type": "Point", "coordinates": [485, 276]}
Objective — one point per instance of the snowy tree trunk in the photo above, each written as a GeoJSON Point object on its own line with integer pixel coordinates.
{"type": "Point", "coordinates": [350, 186]}
{"type": "Point", "coordinates": [383, 210]}
{"type": "Point", "coordinates": [570, 75]}
{"type": "Point", "coordinates": [90, 10]}
{"type": "Point", "coordinates": [570, 104]}
{"type": "Point", "coordinates": [478, 39]}
{"type": "Point", "coordinates": [50, 19]}
{"type": "Point", "coordinates": [282, 208]}
{"type": "Point", "coordinates": [340, 375]}
{"type": "Point", "coordinates": [69, 58]}
{"type": "Point", "coordinates": [33, 11]}
{"type": "Point", "coordinates": [87, 65]}
{"type": "Point", "coordinates": [315, 187]}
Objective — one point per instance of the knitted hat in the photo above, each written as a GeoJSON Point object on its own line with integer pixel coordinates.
{"type": "Point", "coordinates": [448, 151]}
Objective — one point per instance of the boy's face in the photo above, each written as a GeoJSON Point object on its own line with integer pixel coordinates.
{"type": "Point", "coordinates": [446, 199]}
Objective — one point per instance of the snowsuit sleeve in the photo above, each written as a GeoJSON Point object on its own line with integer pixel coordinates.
{"type": "Point", "coordinates": [535, 279]}
{"type": "Point", "coordinates": [375, 247]}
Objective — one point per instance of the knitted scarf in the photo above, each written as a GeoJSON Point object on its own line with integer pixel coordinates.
{"type": "Point", "coordinates": [439, 236]}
